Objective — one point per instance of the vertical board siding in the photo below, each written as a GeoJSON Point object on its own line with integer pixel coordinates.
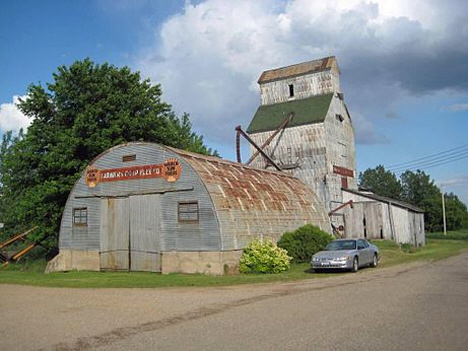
{"type": "Point", "coordinates": [145, 233]}
{"type": "Point", "coordinates": [115, 234]}
{"type": "Point", "coordinates": [408, 225]}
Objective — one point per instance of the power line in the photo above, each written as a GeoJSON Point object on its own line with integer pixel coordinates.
{"type": "Point", "coordinates": [437, 155]}
{"type": "Point", "coordinates": [443, 157]}
{"type": "Point", "coordinates": [439, 163]}
{"type": "Point", "coordinates": [427, 163]}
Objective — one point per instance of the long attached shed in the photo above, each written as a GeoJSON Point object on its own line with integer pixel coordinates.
{"type": "Point", "coordinates": [378, 217]}
{"type": "Point", "coordinates": [147, 207]}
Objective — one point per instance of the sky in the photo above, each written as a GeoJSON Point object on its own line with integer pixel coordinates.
{"type": "Point", "coordinates": [404, 65]}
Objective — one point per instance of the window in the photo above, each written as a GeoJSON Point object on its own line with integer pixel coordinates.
{"type": "Point", "coordinates": [128, 158]}
{"type": "Point", "coordinates": [343, 151]}
{"type": "Point", "coordinates": [188, 211]}
{"type": "Point", "coordinates": [291, 90]}
{"type": "Point", "coordinates": [80, 217]}
{"type": "Point", "coordinates": [362, 244]}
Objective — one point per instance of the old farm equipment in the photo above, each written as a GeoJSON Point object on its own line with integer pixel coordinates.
{"type": "Point", "coordinates": [15, 238]}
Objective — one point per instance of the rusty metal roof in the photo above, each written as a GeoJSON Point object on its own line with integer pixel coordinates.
{"type": "Point", "coordinates": [237, 188]}
{"type": "Point", "coordinates": [298, 69]}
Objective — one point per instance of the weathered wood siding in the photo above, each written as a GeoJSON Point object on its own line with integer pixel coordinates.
{"type": "Point", "coordinates": [317, 83]}
{"type": "Point", "coordinates": [382, 220]}
{"type": "Point", "coordinates": [315, 149]}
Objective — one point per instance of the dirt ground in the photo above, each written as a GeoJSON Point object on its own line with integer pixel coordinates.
{"type": "Point", "coordinates": [75, 319]}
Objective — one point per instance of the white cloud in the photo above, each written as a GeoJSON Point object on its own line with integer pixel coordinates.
{"type": "Point", "coordinates": [209, 56]}
{"type": "Point", "coordinates": [11, 118]}
{"type": "Point", "coordinates": [458, 107]}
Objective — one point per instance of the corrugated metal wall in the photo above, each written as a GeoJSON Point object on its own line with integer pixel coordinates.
{"type": "Point", "coordinates": [252, 203]}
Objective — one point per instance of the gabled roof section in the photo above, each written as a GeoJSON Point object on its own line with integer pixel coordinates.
{"type": "Point", "coordinates": [306, 111]}
{"type": "Point", "coordinates": [298, 69]}
{"type": "Point", "coordinates": [385, 199]}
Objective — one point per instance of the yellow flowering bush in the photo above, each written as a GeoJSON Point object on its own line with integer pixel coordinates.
{"type": "Point", "coordinates": [264, 257]}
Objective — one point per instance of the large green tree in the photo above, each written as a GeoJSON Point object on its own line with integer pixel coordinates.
{"type": "Point", "coordinates": [381, 181]}
{"type": "Point", "coordinates": [87, 109]}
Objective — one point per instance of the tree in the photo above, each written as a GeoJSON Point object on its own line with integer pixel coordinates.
{"type": "Point", "coordinates": [87, 109]}
{"type": "Point", "coordinates": [456, 212]}
{"type": "Point", "coordinates": [418, 187]}
{"type": "Point", "coordinates": [381, 182]}
{"type": "Point", "coordinates": [420, 190]}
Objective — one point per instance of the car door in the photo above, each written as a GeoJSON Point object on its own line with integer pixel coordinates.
{"type": "Point", "coordinates": [364, 252]}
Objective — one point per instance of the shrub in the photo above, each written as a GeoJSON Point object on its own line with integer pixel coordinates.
{"type": "Point", "coordinates": [408, 248]}
{"type": "Point", "coordinates": [305, 241]}
{"type": "Point", "coordinates": [264, 257]}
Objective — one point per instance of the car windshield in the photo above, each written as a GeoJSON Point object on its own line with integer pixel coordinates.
{"type": "Point", "coordinates": [341, 245]}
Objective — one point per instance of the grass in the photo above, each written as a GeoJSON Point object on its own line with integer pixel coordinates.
{"type": "Point", "coordinates": [31, 272]}
{"type": "Point", "coordinates": [451, 235]}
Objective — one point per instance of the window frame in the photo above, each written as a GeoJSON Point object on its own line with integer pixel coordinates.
{"type": "Point", "coordinates": [129, 158]}
{"type": "Point", "coordinates": [80, 217]}
{"type": "Point", "coordinates": [180, 207]}
{"type": "Point", "coordinates": [291, 90]}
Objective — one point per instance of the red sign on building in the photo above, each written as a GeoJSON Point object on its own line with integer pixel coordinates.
{"type": "Point", "coordinates": [343, 171]}
{"type": "Point", "coordinates": [169, 170]}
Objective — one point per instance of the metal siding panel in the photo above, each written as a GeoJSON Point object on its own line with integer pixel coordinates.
{"type": "Point", "coordinates": [82, 238]}
{"type": "Point", "coordinates": [252, 203]}
{"type": "Point", "coordinates": [199, 236]}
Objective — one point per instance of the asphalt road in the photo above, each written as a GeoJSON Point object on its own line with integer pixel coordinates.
{"type": "Point", "coordinates": [416, 307]}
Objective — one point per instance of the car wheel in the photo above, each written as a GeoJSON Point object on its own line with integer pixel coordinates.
{"type": "Point", "coordinates": [375, 261]}
{"type": "Point", "coordinates": [355, 267]}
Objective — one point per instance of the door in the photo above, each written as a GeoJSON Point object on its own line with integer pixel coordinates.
{"type": "Point", "coordinates": [115, 234]}
{"type": "Point", "coordinates": [130, 238]}
{"type": "Point", "coordinates": [145, 243]}
{"type": "Point", "coordinates": [373, 220]}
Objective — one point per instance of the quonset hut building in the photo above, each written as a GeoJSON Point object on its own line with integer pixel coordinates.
{"type": "Point", "coordinates": [147, 207]}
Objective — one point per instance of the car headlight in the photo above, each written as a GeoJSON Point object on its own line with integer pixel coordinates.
{"type": "Point", "coordinates": [343, 258]}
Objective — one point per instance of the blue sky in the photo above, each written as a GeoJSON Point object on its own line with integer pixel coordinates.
{"type": "Point", "coordinates": [404, 65]}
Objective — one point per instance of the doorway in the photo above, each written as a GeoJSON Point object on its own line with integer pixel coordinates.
{"type": "Point", "coordinates": [130, 233]}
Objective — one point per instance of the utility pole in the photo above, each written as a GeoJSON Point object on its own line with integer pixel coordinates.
{"type": "Point", "coordinates": [443, 210]}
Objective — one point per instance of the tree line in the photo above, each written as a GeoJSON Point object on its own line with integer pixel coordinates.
{"type": "Point", "coordinates": [418, 189]}
{"type": "Point", "coordinates": [87, 109]}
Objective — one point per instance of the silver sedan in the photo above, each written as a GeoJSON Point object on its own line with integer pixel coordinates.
{"type": "Point", "coordinates": [346, 254]}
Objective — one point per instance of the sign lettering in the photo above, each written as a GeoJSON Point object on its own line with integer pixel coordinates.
{"type": "Point", "coordinates": [169, 170]}
{"type": "Point", "coordinates": [343, 171]}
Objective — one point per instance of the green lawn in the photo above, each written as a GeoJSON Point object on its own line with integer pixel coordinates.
{"type": "Point", "coordinates": [31, 272]}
